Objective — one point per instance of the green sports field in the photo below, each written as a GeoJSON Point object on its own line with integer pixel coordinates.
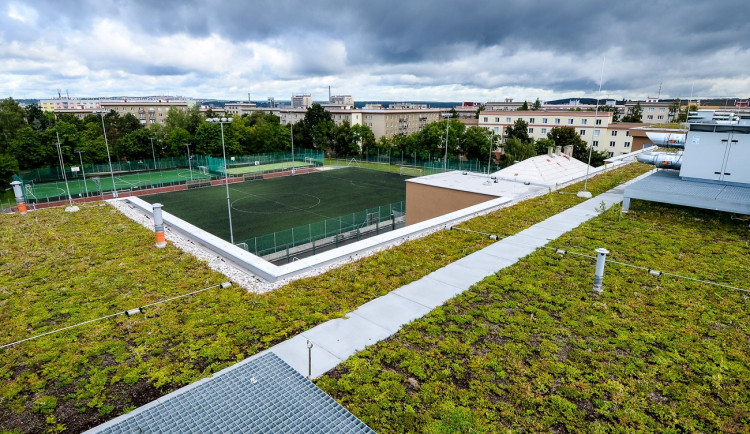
{"type": "Point", "coordinates": [98, 182]}
{"type": "Point", "coordinates": [265, 206]}
{"type": "Point", "coordinates": [247, 168]}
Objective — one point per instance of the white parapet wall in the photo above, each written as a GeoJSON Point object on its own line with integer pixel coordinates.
{"type": "Point", "coordinates": [273, 273]}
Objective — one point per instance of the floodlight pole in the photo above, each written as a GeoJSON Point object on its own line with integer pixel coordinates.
{"type": "Point", "coordinates": [62, 167]}
{"type": "Point", "coordinates": [78, 151]}
{"type": "Point", "coordinates": [153, 154]}
{"type": "Point", "coordinates": [291, 128]}
{"type": "Point", "coordinates": [109, 159]}
{"type": "Point", "coordinates": [585, 193]}
{"type": "Point", "coordinates": [445, 159]}
{"type": "Point", "coordinates": [190, 165]}
{"type": "Point", "coordinates": [221, 122]}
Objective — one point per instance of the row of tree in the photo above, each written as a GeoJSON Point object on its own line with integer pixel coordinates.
{"type": "Point", "coordinates": [29, 137]}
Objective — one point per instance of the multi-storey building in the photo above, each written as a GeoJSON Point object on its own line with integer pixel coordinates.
{"type": "Point", "coordinates": [590, 125]}
{"type": "Point", "coordinates": [390, 122]}
{"type": "Point", "coordinates": [617, 139]}
{"type": "Point", "coordinates": [654, 111]}
{"type": "Point", "coordinates": [239, 108]}
{"type": "Point", "coordinates": [342, 100]}
{"type": "Point", "coordinates": [69, 104]}
{"type": "Point", "coordinates": [303, 100]}
{"type": "Point", "coordinates": [147, 111]}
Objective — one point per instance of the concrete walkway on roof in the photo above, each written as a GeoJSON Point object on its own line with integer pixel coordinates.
{"type": "Point", "coordinates": [336, 340]}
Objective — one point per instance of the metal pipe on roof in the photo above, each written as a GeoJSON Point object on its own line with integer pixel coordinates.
{"type": "Point", "coordinates": [663, 160]}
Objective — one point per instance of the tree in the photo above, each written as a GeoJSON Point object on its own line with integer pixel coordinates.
{"type": "Point", "coordinates": [479, 110]}
{"type": "Point", "coordinates": [674, 109]}
{"type": "Point", "coordinates": [542, 145]}
{"type": "Point", "coordinates": [453, 113]}
{"type": "Point", "coordinates": [8, 166]}
{"type": "Point", "coordinates": [519, 130]}
{"type": "Point", "coordinates": [567, 136]}
{"type": "Point", "coordinates": [12, 118]}
{"type": "Point", "coordinates": [29, 150]}
{"type": "Point", "coordinates": [476, 143]}
{"type": "Point", "coordinates": [537, 104]}
{"type": "Point", "coordinates": [524, 106]}
{"type": "Point", "coordinates": [136, 145]}
{"type": "Point", "coordinates": [318, 128]}
{"type": "Point", "coordinates": [37, 119]}
{"type": "Point", "coordinates": [516, 150]}
{"type": "Point", "coordinates": [635, 114]}
{"type": "Point", "coordinates": [364, 137]}
{"type": "Point", "coordinates": [345, 141]}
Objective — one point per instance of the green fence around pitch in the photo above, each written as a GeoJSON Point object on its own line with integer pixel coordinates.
{"type": "Point", "coordinates": [48, 184]}
{"type": "Point", "coordinates": [309, 233]}
{"type": "Point", "coordinates": [311, 156]}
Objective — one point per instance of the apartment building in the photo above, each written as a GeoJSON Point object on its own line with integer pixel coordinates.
{"type": "Point", "coordinates": [342, 100]}
{"type": "Point", "coordinates": [303, 100]}
{"type": "Point", "coordinates": [239, 108]}
{"type": "Point", "coordinates": [70, 105]}
{"type": "Point", "coordinates": [654, 112]}
{"type": "Point", "coordinates": [590, 125]}
{"type": "Point", "coordinates": [382, 122]}
{"type": "Point", "coordinates": [390, 122]}
{"type": "Point", "coordinates": [147, 111]}
{"type": "Point", "coordinates": [618, 139]}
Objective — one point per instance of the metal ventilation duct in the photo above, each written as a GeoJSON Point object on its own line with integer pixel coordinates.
{"type": "Point", "coordinates": [663, 160]}
{"type": "Point", "coordinates": [667, 140]}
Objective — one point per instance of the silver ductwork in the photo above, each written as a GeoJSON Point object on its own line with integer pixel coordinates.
{"type": "Point", "coordinates": [662, 160]}
{"type": "Point", "coordinates": [667, 140]}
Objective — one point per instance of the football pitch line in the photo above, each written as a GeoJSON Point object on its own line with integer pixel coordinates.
{"type": "Point", "coordinates": [294, 209]}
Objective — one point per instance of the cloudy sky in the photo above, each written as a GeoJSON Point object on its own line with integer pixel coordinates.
{"type": "Point", "coordinates": [434, 50]}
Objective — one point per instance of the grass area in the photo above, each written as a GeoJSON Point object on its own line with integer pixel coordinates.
{"type": "Point", "coordinates": [265, 206]}
{"type": "Point", "coordinates": [383, 167]}
{"type": "Point", "coordinates": [73, 267]}
{"type": "Point", "coordinates": [530, 349]}
{"type": "Point", "coordinates": [122, 181]}
{"type": "Point", "coordinates": [251, 168]}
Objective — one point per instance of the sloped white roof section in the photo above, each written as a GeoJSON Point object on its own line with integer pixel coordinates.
{"type": "Point", "coordinates": [545, 170]}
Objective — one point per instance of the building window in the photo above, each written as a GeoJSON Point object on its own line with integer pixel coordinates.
{"type": "Point", "coordinates": [557, 121]}
{"type": "Point", "coordinates": [584, 121]}
{"type": "Point", "coordinates": [598, 121]}
{"type": "Point", "coordinates": [570, 121]}
{"type": "Point", "coordinates": [627, 144]}
{"type": "Point", "coordinates": [486, 119]}
{"type": "Point", "coordinates": [627, 133]}
{"type": "Point", "coordinates": [583, 132]}
{"type": "Point", "coordinates": [661, 110]}
{"type": "Point", "coordinates": [660, 117]}
{"type": "Point", "coordinates": [650, 117]}
{"type": "Point", "coordinates": [650, 109]}
{"type": "Point", "coordinates": [614, 133]}
{"type": "Point", "coordinates": [531, 130]}
{"type": "Point", "coordinates": [612, 144]}
{"type": "Point", "coordinates": [531, 120]}
{"type": "Point", "coordinates": [544, 131]}
{"type": "Point", "coordinates": [596, 143]}
{"type": "Point", "coordinates": [507, 120]}
{"type": "Point", "coordinates": [544, 120]}
{"type": "Point", "coordinates": [497, 119]}
{"type": "Point", "coordinates": [596, 133]}
{"type": "Point", "coordinates": [497, 130]}
{"type": "Point", "coordinates": [611, 154]}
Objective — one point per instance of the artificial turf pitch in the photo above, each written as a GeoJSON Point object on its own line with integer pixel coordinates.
{"type": "Point", "coordinates": [265, 206]}
{"type": "Point", "coordinates": [144, 179]}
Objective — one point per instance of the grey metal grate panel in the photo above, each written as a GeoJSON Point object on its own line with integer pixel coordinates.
{"type": "Point", "coordinates": [263, 395]}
